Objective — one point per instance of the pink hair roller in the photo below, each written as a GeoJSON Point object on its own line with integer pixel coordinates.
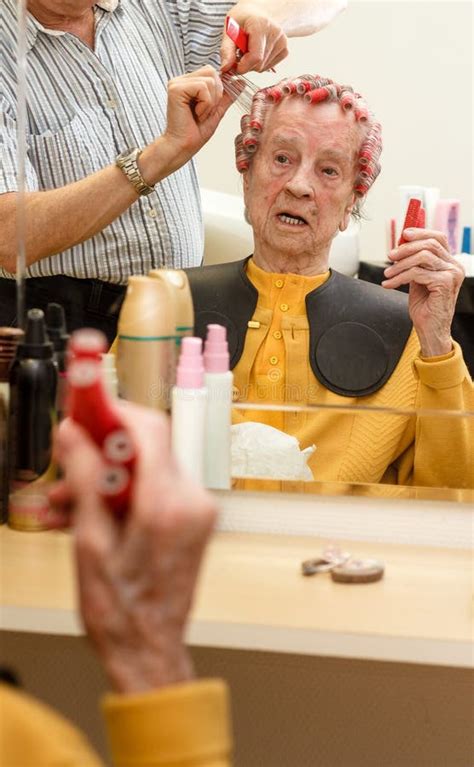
{"type": "Point", "coordinates": [365, 156]}
{"type": "Point", "coordinates": [361, 189]}
{"type": "Point", "coordinates": [361, 113]}
{"type": "Point", "coordinates": [347, 101]}
{"type": "Point", "coordinates": [316, 96]}
{"type": "Point", "coordinates": [303, 87]}
{"type": "Point", "coordinates": [276, 94]}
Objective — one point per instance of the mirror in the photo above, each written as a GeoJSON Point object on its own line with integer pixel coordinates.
{"type": "Point", "coordinates": [416, 75]}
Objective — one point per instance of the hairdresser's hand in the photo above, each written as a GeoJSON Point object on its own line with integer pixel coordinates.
{"type": "Point", "coordinates": [268, 44]}
{"type": "Point", "coordinates": [435, 277]}
{"type": "Point", "coordinates": [136, 578]}
{"type": "Point", "coordinates": [196, 105]}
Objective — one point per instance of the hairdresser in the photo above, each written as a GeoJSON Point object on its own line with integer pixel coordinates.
{"type": "Point", "coordinates": [104, 196]}
{"type": "Point", "coordinates": [136, 583]}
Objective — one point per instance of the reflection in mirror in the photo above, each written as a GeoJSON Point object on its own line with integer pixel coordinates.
{"type": "Point", "coordinates": [353, 450]}
{"type": "Point", "coordinates": [345, 363]}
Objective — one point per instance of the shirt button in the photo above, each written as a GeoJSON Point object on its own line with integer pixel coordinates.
{"type": "Point", "coordinates": [277, 334]}
{"type": "Point", "coordinates": [279, 284]}
{"type": "Point", "coordinates": [111, 104]}
{"type": "Point", "coordinates": [235, 393]}
{"type": "Point", "coordinates": [284, 307]}
{"type": "Point", "coordinates": [152, 213]}
{"type": "Point", "coordinates": [273, 360]}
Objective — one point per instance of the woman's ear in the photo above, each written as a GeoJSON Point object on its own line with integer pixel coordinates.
{"type": "Point", "coordinates": [347, 214]}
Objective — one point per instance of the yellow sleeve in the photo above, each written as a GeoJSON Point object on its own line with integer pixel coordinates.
{"type": "Point", "coordinates": [33, 734]}
{"type": "Point", "coordinates": [443, 455]}
{"type": "Point", "coordinates": [187, 725]}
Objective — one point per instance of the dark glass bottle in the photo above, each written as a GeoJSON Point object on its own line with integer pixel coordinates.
{"type": "Point", "coordinates": [33, 382]}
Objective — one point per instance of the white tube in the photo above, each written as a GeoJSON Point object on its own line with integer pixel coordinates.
{"type": "Point", "coordinates": [188, 410]}
{"type": "Point", "coordinates": [218, 430]}
{"type": "Point", "coordinates": [219, 381]}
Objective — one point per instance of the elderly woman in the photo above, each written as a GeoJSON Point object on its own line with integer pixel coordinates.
{"type": "Point", "coordinates": [301, 333]}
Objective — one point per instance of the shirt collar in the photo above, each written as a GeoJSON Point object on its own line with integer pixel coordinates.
{"type": "Point", "coordinates": [33, 26]}
{"type": "Point", "coordinates": [289, 287]}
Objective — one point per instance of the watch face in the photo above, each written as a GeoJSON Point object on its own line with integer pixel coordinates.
{"type": "Point", "coordinates": [124, 155]}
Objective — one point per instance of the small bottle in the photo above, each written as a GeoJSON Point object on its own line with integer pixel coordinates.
{"type": "Point", "coordinates": [33, 383]}
{"type": "Point", "coordinates": [219, 382]}
{"type": "Point", "coordinates": [9, 339]}
{"type": "Point", "coordinates": [58, 335]}
{"type": "Point", "coordinates": [146, 343]}
{"type": "Point", "coordinates": [188, 410]}
{"type": "Point", "coordinates": [446, 219]}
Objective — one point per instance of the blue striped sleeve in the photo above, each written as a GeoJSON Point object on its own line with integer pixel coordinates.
{"type": "Point", "coordinates": [200, 24]}
{"type": "Point", "coordinates": [9, 155]}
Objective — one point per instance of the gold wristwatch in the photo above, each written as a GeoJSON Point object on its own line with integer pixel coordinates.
{"type": "Point", "coordinates": [127, 161]}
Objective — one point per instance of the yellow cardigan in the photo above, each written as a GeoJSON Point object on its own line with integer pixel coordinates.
{"type": "Point", "coordinates": [185, 725]}
{"type": "Point", "coordinates": [352, 447]}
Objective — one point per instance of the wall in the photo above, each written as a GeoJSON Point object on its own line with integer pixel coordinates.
{"type": "Point", "coordinates": [413, 62]}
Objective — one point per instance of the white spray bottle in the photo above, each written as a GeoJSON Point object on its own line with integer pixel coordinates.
{"type": "Point", "coordinates": [188, 409]}
{"type": "Point", "coordinates": [219, 382]}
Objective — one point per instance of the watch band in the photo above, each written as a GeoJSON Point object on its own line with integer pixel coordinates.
{"type": "Point", "coordinates": [127, 162]}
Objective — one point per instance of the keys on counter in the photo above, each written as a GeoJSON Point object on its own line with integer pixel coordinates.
{"type": "Point", "coordinates": [343, 567]}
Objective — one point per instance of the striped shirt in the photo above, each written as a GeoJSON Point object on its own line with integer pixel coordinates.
{"type": "Point", "coordinates": [86, 106]}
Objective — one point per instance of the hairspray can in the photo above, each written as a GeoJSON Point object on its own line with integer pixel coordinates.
{"type": "Point", "coordinates": [146, 343]}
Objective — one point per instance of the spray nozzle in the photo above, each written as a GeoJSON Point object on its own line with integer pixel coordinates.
{"type": "Point", "coordinates": [216, 350]}
{"type": "Point", "coordinates": [36, 343]}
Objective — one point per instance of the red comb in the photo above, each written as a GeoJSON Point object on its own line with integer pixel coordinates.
{"type": "Point", "coordinates": [421, 222]}
{"type": "Point", "coordinates": [411, 218]}
{"type": "Point", "coordinates": [237, 35]}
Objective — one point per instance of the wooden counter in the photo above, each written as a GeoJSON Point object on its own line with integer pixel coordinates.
{"type": "Point", "coordinates": [252, 597]}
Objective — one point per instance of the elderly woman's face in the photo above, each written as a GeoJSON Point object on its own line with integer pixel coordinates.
{"type": "Point", "coordinates": [299, 189]}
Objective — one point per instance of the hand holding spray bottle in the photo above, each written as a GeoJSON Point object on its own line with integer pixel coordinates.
{"type": "Point", "coordinates": [91, 407]}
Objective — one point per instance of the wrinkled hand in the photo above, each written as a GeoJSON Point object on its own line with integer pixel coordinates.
{"type": "Point", "coordinates": [435, 277]}
{"type": "Point", "coordinates": [268, 44]}
{"type": "Point", "coordinates": [136, 577]}
{"type": "Point", "coordinates": [196, 105]}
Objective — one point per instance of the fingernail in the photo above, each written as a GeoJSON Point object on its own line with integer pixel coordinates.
{"type": "Point", "coordinates": [409, 232]}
